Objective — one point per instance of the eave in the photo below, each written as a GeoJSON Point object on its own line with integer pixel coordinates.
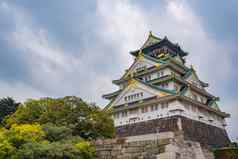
{"type": "Point", "coordinates": [158, 88]}
{"type": "Point", "coordinates": [204, 84]}
{"type": "Point", "coordinates": [179, 80]}
{"type": "Point", "coordinates": [200, 91]}
{"type": "Point", "coordinates": [223, 114]}
{"type": "Point", "coordinates": [109, 96]}
{"type": "Point", "coordinates": [189, 72]}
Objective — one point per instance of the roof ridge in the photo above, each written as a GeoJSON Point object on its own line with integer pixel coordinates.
{"type": "Point", "coordinates": [147, 44]}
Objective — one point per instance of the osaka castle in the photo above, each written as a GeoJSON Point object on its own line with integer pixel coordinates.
{"type": "Point", "coordinates": [160, 93]}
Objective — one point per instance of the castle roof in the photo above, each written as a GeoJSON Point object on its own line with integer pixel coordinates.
{"type": "Point", "coordinates": [154, 42]}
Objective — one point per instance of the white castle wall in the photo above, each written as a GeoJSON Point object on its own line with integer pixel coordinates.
{"type": "Point", "coordinates": [173, 108]}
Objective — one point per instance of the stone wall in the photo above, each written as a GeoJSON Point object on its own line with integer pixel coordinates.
{"type": "Point", "coordinates": [166, 148]}
{"type": "Point", "coordinates": [193, 130]}
{"type": "Point", "coordinates": [130, 150]}
{"type": "Point", "coordinates": [205, 134]}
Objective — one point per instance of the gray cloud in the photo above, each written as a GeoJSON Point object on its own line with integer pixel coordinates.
{"type": "Point", "coordinates": [218, 17]}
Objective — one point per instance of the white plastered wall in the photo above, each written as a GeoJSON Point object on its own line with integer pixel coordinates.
{"type": "Point", "coordinates": [174, 108]}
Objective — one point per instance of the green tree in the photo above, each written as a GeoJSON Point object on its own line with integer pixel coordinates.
{"type": "Point", "coordinates": [29, 141]}
{"type": "Point", "coordinates": [57, 133]}
{"type": "Point", "coordinates": [54, 129]}
{"type": "Point", "coordinates": [7, 107]}
{"type": "Point", "coordinates": [90, 122]}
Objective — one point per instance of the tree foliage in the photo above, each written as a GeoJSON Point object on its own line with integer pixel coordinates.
{"type": "Point", "coordinates": [54, 128]}
{"type": "Point", "coordinates": [230, 152]}
{"type": "Point", "coordinates": [7, 107]}
{"type": "Point", "coordinates": [89, 122]}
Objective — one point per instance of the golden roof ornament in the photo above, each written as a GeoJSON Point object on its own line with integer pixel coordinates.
{"type": "Point", "coordinates": [157, 65]}
{"type": "Point", "coordinates": [132, 82]}
{"type": "Point", "coordinates": [140, 55]}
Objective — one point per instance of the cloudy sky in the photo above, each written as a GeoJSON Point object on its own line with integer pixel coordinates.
{"type": "Point", "coordinates": [58, 48]}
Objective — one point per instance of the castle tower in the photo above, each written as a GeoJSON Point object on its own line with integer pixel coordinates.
{"type": "Point", "coordinates": [159, 93]}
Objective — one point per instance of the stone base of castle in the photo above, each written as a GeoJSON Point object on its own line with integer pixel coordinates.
{"type": "Point", "coordinates": [166, 145]}
{"type": "Point", "coordinates": [192, 130]}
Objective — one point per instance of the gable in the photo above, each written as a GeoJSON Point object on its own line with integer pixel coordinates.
{"type": "Point", "coordinates": [188, 93]}
{"type": "Point", "coordinates": [179, 59]}
{"type": "Point", "coordinates": [136, 92]}
{"type": "Point", "coordinates": [193, 79]}
{"type": "Point", "coordinates": [151, 40]}
{"type": "Point", "coordinates": [214, 105]}
{"type": "Point", "coordinates": [140, 64]}
{"type": "Point", "coordinates": [191, 94]}
{"type": "Point", "coordinates": [143, 63]}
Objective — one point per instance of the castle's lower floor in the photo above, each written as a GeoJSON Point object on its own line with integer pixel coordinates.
{"type": "Point", "coordinates": [192, 130]}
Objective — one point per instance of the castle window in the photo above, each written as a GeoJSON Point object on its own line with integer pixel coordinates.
{"type": "Point", "coordinates": [160, 74]}
{"type": "Point", "coordinates": [195, 97]}
{"type": "Point", "coordinates": [133, 96]}
{"type": "Point", "coordinates": [133, 111]}
{"type": "Point", "coordinates": [178, 156]}
{"type": "Point", "coordinates": [144, 109]}
{"type": "Point", "coordinates": [165, 85]}
{"type": "Point", "coordinates": [187, 106]}
{"type": "Point", "coordinates": [210, 120]}
{"type": "Point", "coordinates": [194, 108]}
{"type": "Point", "coordinates": [154, 107]}
{"type": "Point", "coordinates": [124, 114]}
{"type": "Point", "coordinates": [140, 68]}
{"type": "Point", "coordinates": [202, 100]}
{"type": "Point", "coordinates": [164, 105]}
{"type": "Point", "coordinates": [141, 94]}
{"type": "Point", "coordinates": [148, 78]}
{"type": "Point", "coordinates": [200, 117]}
{"type": "Point", "coordinates": [116, 115]}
